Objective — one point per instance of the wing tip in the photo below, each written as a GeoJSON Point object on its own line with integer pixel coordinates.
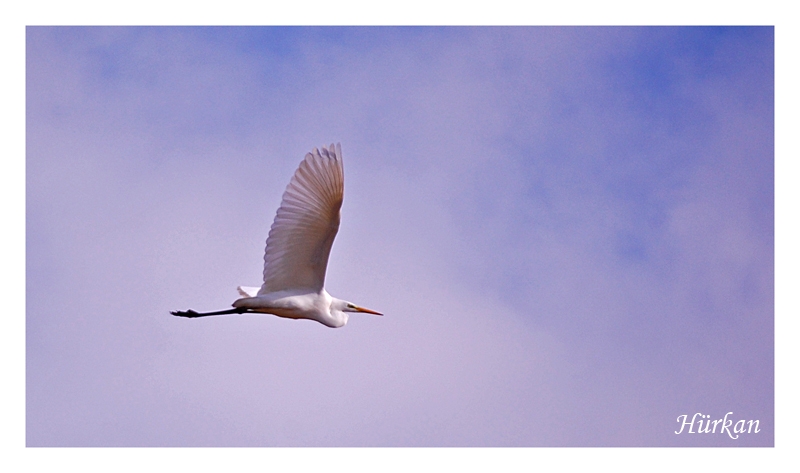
{"type": "Point", "coordinates": [333, 151]}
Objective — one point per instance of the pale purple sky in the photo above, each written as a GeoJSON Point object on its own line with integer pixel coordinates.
{"type": "Point", "coordinates": [570, 231]}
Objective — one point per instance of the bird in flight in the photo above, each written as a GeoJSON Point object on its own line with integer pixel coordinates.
{"type": "Point", "coordinates": [298, 247]}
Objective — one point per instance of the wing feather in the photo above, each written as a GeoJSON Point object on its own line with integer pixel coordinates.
{"type": "Point", "coordinates": [306, 223]}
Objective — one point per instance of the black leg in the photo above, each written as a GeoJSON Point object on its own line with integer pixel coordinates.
{"type": "Point", "coordinates": [192, 314]}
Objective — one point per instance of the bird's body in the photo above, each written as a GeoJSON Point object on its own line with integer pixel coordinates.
{"type": "Point", "coordinates": [298, 247]}
{"type": "Point", "coordinates": [292, 305]}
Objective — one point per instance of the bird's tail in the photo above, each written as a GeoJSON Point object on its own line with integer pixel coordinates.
{"type": "Point", "coordinates": [247, 291]}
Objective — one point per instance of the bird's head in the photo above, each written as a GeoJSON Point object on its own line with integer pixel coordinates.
{"type": "Point", "coordinates": [345, 306]}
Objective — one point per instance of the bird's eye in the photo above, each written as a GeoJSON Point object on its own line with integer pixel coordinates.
{"type": "Point", "coordinates": [351, 306]}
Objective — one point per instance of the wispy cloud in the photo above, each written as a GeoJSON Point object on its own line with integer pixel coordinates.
{"type": "Point", "coordinates": [569, 229]}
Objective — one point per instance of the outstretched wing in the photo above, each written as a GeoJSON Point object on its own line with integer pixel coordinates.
{"type": "Point", "coordinates": [302, 234]}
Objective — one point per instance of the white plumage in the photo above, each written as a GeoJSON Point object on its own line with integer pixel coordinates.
{"type": "Point", "coordinates": [307, 221]}
{"type": "Point", "coordinates": [298, 246]}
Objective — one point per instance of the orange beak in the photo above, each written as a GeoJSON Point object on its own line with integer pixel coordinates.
{"type": "Point", "coordinates": [361, 309]}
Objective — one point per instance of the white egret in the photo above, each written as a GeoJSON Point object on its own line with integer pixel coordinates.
{"type": "Point", "coordinates": [298, 247]}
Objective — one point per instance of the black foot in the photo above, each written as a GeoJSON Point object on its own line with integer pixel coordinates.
{"type": "Point", "coordinates": [189, 313]}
